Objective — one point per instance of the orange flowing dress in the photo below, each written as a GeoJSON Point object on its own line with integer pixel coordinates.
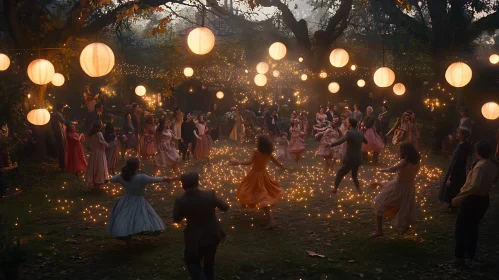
{"type": "Point", "coordinates": [258, 189]}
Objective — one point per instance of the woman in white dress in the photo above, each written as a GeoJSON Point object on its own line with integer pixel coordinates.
{"type": "Point", "coordinates": [166, 153]}
{"type": "Point", "coordinates": [282, 149]}
{"type": "Point", "coordinates": [132, 214]}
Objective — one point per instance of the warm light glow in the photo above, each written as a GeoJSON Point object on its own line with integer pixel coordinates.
{"type": "Point", "coordinates": [339, 58]}
{"type": "Point", "coordinates": [262, 68]}
{"type": "Point", "coordinates": [38, 116]}
{"type": "Point", "coordinates": [333, 87]}
{"type": "Point", "coordinates": [276, 73]}
{"type": "Point", "coordinates": [399, 89]}
{"type": "Point", "coordinates": [140, 90]}
{"type": "Point", "coordinates": [277, 51]}
{"type": "Point", "coordinates": [300, 59]}
{"type": "Point", "coordinates": [260, 80]}
{"type": "Point", "coordinates": [323, 75]}
{"type": "Point", "coordinates": [458, 74]}
{"type": "Point", "coordinates": [220, 95]}
{"type": "Point", "coordinates": [490, 110]}
{"type": "Point", "coordinates": [494, 59]}
{"type": "Point", "coordinates": [188, 72]}
{"type": "Point", "coordinates": [4, 62]}
{"type": "Point", "coordinates": [201, 40]}
{"type": "Point", "coordinates": [361, 83]}
{"type": "Point", "coordinates": [97, 60]}
{"type": "Point", "coordinates": [58, 80]}
{"type": "Point", "coordinates": [353, 67]}
{"type": "Point", "coordinates": [384, 77]}
{"type": "Point", "coordinates": [304, 77]}
{"type": "Point", "coordinates": [41, 71]}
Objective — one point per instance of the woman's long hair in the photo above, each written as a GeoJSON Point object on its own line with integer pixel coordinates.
{"type": "Point", "coordinates": [264, 145]}
{"type": "Point", "coordinates": [109, 132]}
{"type": "Point", "coordinates": [409, 153]}
{"type": "Point", "coordinates": [130, 169]}
{"type": "Point", "coordinates": [96, 127]}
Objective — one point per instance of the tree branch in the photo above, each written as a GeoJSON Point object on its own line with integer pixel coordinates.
{"type": "Point", "coordinates": [488, 23]}
{"type": "Point", "coordinates": [334, 29]}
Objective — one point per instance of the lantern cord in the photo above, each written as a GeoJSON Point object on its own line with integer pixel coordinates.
{"type": "Point", "coordinates": [203, 13]}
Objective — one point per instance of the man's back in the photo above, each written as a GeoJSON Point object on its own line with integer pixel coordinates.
{"type": "Point", "coordinates": [354, 145]}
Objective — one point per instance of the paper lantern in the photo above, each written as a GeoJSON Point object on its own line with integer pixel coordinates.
{"type": "Point", "coordinates": [262, 68]}
{"type": "Point", "coordinates": [333, 87]}
{"type": "Point", "coordinates": [458, 74]}
{"type": "Point", "coordinates": [97, 60]}
{"type": "Point", "coordinates": [188, 72]}
{"type": "Point", "coordinates": [220, 95]}
{"type": "Point", "coordinates": [494, 59]}
{"type": "Point", "coordinates": [361, 83]}
{"type": "Point", "coordinates": [38, 116]}
{"type": "Point", "coordinates": [4, 62]}
{"type": "Point", "coordinates": [201, 40]}
{"type": "Point", "coordinates": [277, 51]}
{"type": "Point", "coordinates": [260, 80]}
{"type": "Point", "coordinates": [41, 71]}
{"type": "Point", "coordinates": [300, 59]}
{"type": "Point", "coordinates": [304, 77]}
{"type": "Point", "coordinates": [58, 80]}
{"type": "Point", "coordinates": [384, 77]}
{"type": "Point", "coordinates": [338, 58]}
{"type": "Point", "coordinates": [490, 110]}
{"type": "Point", "coordinates": [323, 75]}
{"type": "Point", "coordinates": [140, 90]}
{"type": "Point", "coordinates": [353, 67]}
{"type": "Point", "coordinates": [276, 73]}
{"type": "Point", "coordinates": [399, 89]}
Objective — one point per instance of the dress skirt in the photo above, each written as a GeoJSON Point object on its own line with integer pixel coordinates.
{"type": "Point", "coordinates": [75, 158]}
{"type": "Point", "coordinates": [397, 200]}
{"type": "Point", "coordinates": [258, 190]}
{"type": "Point", "coordinates": [133, 215]}
{"type": "Point", "coordinates": [202, 149]}
{"type": "Point", "coordinates": [296, 145]}
{"type": "Point", "coordinates": [111, 154]}
{"type": "Point", "coordinates": [167, 155]}
{"type": "Point", "coordinates": [147, 146]}
{"type": "Point", "coordinates": [374, 141]}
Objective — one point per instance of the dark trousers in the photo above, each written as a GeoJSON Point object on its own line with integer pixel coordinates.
{"type": "Point", "coordinates": [470, 213]}
{"type": "Point", "coordinates": [345, 168]}
{"type": "Point", "coordinates": [206, 253]}
{"type": "Point", "coordinates": [60, 142]}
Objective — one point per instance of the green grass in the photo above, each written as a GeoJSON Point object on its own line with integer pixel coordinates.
{"type": "Point", "coordinates": [65, 246]}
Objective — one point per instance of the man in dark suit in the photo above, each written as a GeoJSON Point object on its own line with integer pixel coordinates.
{"type": "Point", "coordinates": [353, 158]}
{"type": "Point", "coordinates": [203, 232]}
{"type": "Point", "coordinates": [329, 113]}
{"type": "Point", "coordinates": [271, 122]}
{"type": "Point", "coordinates": [384, 123]}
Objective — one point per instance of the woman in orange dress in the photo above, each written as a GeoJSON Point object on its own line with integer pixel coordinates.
{"type": "Point", "coordinates": [258, 189]}
{"type": "Point", "coordinates": [148, 145]}
{"type": "Point", "coordinates": [75, 157]}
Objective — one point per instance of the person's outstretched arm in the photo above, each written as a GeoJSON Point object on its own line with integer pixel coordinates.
{"type": "Point", "coordinates": [340, 141]}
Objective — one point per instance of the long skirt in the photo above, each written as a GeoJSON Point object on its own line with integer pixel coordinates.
{"type": "Point", "coordinates": [202, 149]}
{"type": "Point", "coordinates": [111, 154]}
{"type": "Point", "coordinates": [374, 141]}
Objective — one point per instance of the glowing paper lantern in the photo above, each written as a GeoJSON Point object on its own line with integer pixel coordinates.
{"type": "Point", "coordinates": [304, 77]}
{"type": "Point", "coordinates": [262, 68]}
{"type": "Point", "coordinates": [384, 77]}
{"type": "Point", "coordinates": [339, 58]}
{"type": "Point", "coordinates": [188, 72]}
{"type": "Point", "coordinates": [260, 80]}
{"type": "Point", "coordinates": [353, 67]}
{"type": "Point", "coordinates": [300, 59]}
{"type": "Point", "coordinates": [220, 95]}
{"type": "Point", "coordinates": [490, 110]}
{"type": "Point", "coordinates": [276, 73]}
{"type": "Point", "coordinates": [201, 40]}
{"type": "Point", "coordinates": [361, 83]}
{"type": "Point", "coordinates": [97, 60]}
{"type": "Point", "coordinates": [494, 59]}
{"type": "Point", "coordinates": [41, 71]}
{"type": "Point", "coordinates": [458, 74]}
{"type": "Point", "coordinates": [58, 80]}
{"type": "Point", "coordinates": [277, 51]}
{"type": "Point", "coordinates": [323, 75]}
{"type": "Point", "coordinates": [38, 116]}
{"type": "Point", "coordinates": [140, 90]}
{"type": "Point", "coordinates": [399, 89]}
{"type": "Point", "coordinates": [333, 87]}
{"type": "Point", "coordinates": [4, 62]}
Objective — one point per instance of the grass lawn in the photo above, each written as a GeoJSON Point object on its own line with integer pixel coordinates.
{"type": "Point", "coordinates": [63, 225]}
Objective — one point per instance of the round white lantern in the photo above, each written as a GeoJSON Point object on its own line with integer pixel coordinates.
{"type": "Point", "coordinates": [188, 72]}
{"type": "Point", "coordinates": [323, 75]}
{"type": "Point", "coordinates": [260, 80]}
{"type": "Point", "coordinates": [300, 59]}
{"type": "Point", "coordinates": [490, 110]}
{"type": "Point", "coordinates": [384, 77]}
{"type": "Point", "coordinates": [458, 74]}
{"type": "Point", "coordinates": [304, 77]}
{"type": "Point", "coordinates": [494, 59]}
{"type": "Point", "coordinates": [58, 80]}
{"type": "Point", "coordinates": [262, 68]}
{"type": "Point", "coordinates": [97, 60]}
{"type": "Point", "coordinates": [41, 71]}
{"type": "Point", "coordinates": [333, 87]}
{"type": "Point", "coordinates": [201, 40]}
{"type": "Point", "coordinates": [338, 58]}
{"type": "Point", "coordinates": [361, 83]}
{"type": "Point", "coordinates": [140, 90]}
{"type": "Point", "coordinates": [220, 95]}
{"type": "Point", "coordinates": [277, 51]}
{"type": "Point", "coordinates": [276, 73]}
{"type": "Point", "coordinates": [399, 89]}
{"type": "Point", "coordinates": [4, 62]}
{"type": "Point", "coordinates": [353, 67]}
{"type": "Point", "coordinates": [38, 116]}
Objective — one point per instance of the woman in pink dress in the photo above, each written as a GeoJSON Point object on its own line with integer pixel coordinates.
{"type": "Point", "coordinates": [374, 142]}
{"type": "Point", "coordinates": [202, 149]}
{"type": "Point", "coordinates": [397, 198]}
{"type": "Point", "coordinates": [413, 130]}
{"type": "Point", "coordinates": [343, 129]}
{"type": "Point", "coordinates": [296, 144]}
{"type": "Point", "coordinates": [167, 155]}
{"type": "Point", "coordinates": [304, 124]}
{"type": "Point", "coordinates": [97, 173]}
{"type": "Point", "coordinates": [147, 143]}
{"type": "Point", "coordinates": [320, 118]}
{"type": "Point", "coordinates": [329, 134]}
{"type": "Point", "coordinates": [75, 157]}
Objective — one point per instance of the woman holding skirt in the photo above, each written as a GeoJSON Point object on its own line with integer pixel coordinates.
{"type": "Point", "coordinates": [167, 155]}
{"type": "Point", "coordinates": [297, 144]}
{"type": "Point", "coordinates": [202, 149]}
{"type": "Point", "coordinates": [374, 142]}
